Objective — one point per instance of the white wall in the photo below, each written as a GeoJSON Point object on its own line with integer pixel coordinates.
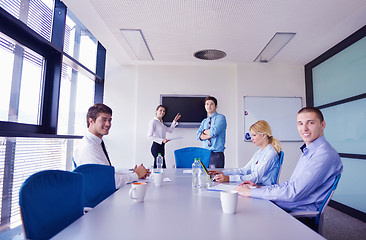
{"type": "Point", "coordinates": [134, 92]}
{"type": "Point", "coordinates": [272, 80]}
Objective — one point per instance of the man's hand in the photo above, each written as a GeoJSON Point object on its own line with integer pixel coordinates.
{"type": "Point", "coordinates": [243, 190]}
{"type": "Point", "coordinates": [165, 140]}
{"type": "Point", "coordinates": [141, 171]}
{"type": "Point", "coordinates": [221, 178]}
{"type": "Point", "coordinates": [250, 183]}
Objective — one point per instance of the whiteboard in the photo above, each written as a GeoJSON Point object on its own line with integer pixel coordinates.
{"type": "Point", "coordinates": [279, 112]}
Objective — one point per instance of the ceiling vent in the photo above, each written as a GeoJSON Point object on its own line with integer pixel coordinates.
{"type": "Point", "coordinates": [209, 54]}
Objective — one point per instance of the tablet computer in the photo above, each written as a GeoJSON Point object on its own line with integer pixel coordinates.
{"type": "Point", "coordinates": [204, 167]}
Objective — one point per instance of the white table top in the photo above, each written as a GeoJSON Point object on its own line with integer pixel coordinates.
{"type": "Point", "coordinates": [175, 211]}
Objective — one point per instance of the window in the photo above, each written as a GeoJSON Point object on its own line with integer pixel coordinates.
{"type": "Point", "coordinates": [44, 93]}
{"type": "Point", "coordinates": [22, 82]}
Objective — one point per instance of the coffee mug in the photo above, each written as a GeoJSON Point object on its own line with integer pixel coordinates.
{"type": "Point", "coordinates": [229, 201]}
{"type": "Point", "coordinates": [137, 191]}
{"type": "Point", "coordinates": [158, 178]}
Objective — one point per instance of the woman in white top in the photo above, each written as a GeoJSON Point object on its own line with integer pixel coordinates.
{"type": "Point", "coordinates": [157, 132]}
{"type": "Point", "coordinates": [263, 168]}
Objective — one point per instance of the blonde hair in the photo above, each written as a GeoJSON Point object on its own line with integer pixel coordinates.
{"type": "Point", "coordinates": [262, 127]}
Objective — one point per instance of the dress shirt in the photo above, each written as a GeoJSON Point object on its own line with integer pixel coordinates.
{"type": "Point", "coordinates": [90, 151]}
{"type": "Point", "coordinates": [310, 182]}
{"type": "Point", "coordinates": [261, 169]}
{"type": "Point", "coordinates": [217, 131]}
{"type": "Point", "coordinates": [157, 130]}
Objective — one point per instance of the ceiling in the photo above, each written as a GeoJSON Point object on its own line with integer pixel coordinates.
{"type": "Point", "coordinates": [175, 29]}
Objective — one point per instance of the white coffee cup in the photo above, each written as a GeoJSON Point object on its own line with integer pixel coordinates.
{"type": "Point", "coordinates": [229, 201]}
{"type": "Point", "coordinates": [158, 178]}
{"type": "Point", "coordinates": [137, 191]}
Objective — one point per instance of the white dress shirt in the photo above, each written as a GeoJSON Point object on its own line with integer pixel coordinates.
{"type": "Point", "coordinates": [157, 130]}
{"type": "Point", "coordinates": [90, 151]}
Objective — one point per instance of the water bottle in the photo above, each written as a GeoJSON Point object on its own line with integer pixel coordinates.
{"type": "Point", "coordinates": [159, 163]}
{"type": "Point", "coordinates": [196, 173]}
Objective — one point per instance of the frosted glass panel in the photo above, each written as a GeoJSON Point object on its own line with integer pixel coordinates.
{"type": "Point", "coordinates": [351, 189]}
{"type": "Point", "coordinates": [341, 76]}
{"type": "Point", "coordinates": [346, 127]}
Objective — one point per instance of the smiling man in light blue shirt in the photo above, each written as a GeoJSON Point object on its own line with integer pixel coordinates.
{"type": "Point", "coordinates": [315, 172]}
{"type": "Point", "coordinates": [212, 132]}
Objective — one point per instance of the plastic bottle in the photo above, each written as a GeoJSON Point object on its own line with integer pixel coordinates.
{"type": "Point", "coordinates": [159, 163]}
{"type": "Point", "coordinates": [196, 173]}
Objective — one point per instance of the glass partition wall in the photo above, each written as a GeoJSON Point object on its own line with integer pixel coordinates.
{"type": "Point", "coordinates": [336, 84]}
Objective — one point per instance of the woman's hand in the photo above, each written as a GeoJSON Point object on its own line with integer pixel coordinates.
{"type": "Point", "coordinates": [165, 140]}
{"type": "Point", "coordinates": [221, 178]}
{"type": "Point", "coordinates": [177, 117]}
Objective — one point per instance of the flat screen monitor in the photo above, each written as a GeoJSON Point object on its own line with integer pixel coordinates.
{"type": "Point", "coordinates": [191, 107]}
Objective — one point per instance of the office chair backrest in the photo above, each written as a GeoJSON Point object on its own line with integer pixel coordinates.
{"type": "Point", "coordinates": [99, 182]}
{"type": "Point", "coordinates": [184, 157]}
{"type": "Point", "coordinates": [320, 217]}
{"type": "Point", "coordinates": [49, 201]}
{"type": "Point", "coordinates": [282, 154]}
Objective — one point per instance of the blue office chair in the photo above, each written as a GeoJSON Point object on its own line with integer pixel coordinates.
{"type": "Point", "coordinates": [99, 183]}
{"type": "Point", "coordinates": [49, 201]}
{"type": "Point", "coordinates": [282, 154]}
{"type": "Point", "coordinates": [319, 215]}
{"type": "Point", "coordinates": [184, 157]}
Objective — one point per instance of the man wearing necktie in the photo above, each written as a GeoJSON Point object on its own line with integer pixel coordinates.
{"type": "Point", "coordinates": [92, 149]}
{"type": "Point", "coordinates": [213, 133]}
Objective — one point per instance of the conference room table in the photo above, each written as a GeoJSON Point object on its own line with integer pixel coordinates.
{"type": "Point", "coordinates": [176, 211]}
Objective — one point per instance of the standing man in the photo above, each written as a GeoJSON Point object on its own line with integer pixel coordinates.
{"type": "Point", "coordinates": [213, 132]}
{"type": "Point", "coordinates": [315, 172]}
{"type": "Point", "coordinates": [92, 149]}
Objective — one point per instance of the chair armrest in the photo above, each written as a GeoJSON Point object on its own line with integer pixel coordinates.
{"type": "Point", "coordinates": [304, 214]}
{"type": "Point", "coordinates": [87, 209]}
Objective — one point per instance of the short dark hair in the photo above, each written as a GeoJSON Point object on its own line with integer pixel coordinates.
{"type": "Point", "coordinates": [212, 99]}
{"type": "Point", "coordinates": [94, 111]}
{"type": "Point", "coordinates": [157, 108]}
{"type": "Point", "coordinates": [318, 113]}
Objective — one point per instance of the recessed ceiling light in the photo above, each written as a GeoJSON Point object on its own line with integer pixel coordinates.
{"type": "Point", "coordinates": [209, 54]}
{"type": "Point", "coordinates": [277, 42]}
{"type": "Point", "coordinates": [138, 44]}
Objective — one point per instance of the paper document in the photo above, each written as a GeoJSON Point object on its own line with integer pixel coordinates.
{"type": "Point", "coordinates": [174, 138]}
{"type": "Point", "coordinates": [222, 187]}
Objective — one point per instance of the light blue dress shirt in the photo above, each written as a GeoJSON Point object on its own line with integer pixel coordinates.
{"type": "Point", "coordinates": [217, 131]}
{"type": "Point", "coordinates": [261, 169]}
{"type": "Point", "coordinates": [310, 182]}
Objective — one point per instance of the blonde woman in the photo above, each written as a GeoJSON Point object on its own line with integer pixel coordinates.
{"type": "Point", "coordinates": [262, 169]}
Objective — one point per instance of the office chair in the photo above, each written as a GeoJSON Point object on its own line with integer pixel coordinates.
{"type": "Point", "coordinates": [184, 157]}
{"type": "Point", "coordinates": [279, 170]}
{"type": "Point", "coordinates": [49, 201]}
{"type": "Point", "coordinates": [319, 215]}
{"type": "Point", "coordinates": [98, 184]}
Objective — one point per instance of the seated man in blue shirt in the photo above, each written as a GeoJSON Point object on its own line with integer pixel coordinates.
{"type": "Point", "coordinates": [212, 132]}
{"type": "Point", "coordinates": [315, 172]}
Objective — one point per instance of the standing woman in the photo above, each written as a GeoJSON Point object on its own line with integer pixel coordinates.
{"type": "Point", "coordinates": [262, 169]}
{"type": "Point", "coordinates": [157, 132]}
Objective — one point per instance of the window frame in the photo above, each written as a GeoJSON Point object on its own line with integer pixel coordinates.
{"type": "Point", "coordinates": [54, 57]}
